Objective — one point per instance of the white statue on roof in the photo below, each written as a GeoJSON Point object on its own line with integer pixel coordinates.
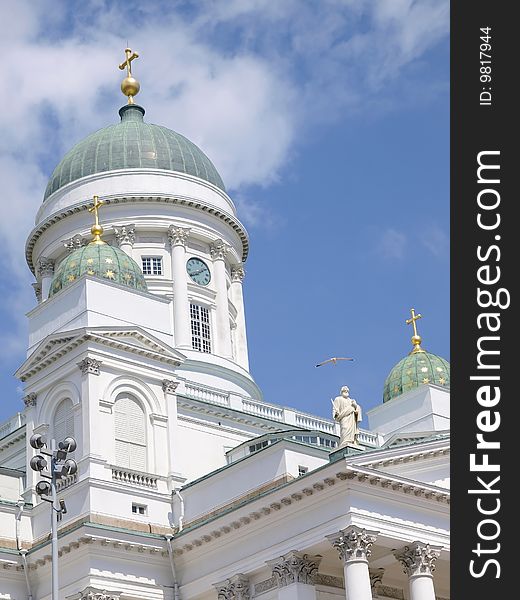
{"type": "Point", "coordinates": [347, 412]}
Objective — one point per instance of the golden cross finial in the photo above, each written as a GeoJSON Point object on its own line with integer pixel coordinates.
{"type": "Point", "coordinates": [129, 86]}
{"type": "Point", "coordinates": [96, 229]}
{"type": "Point", "coordinates": [416, 338]}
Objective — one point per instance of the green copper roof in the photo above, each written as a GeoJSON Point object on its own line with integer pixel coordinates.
{"type": "Point", "coordinates": [132, 143]}
{"type": "Point", "coordinates": [98, 260]}
{"type": "Point", "coordinates": [413, 370]}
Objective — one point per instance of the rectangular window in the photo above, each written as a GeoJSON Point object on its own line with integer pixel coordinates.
{"type": "Point", "coordinates": [152, 265]}
{"type": "Point", "coordinates": [200, 331]}
{"type": "Point", "coordinates": [139, 509]}
{"type": "Point", "coordinates": [302, 470]}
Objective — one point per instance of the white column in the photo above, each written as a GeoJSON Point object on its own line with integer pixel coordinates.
{"type": "Point", "coordinates": [295, 575]}
{"type": "Point", "coordinates": [46, 273]}
{"type": "Point", "coordinates": [169, 387]}
{"type": "Point", "coordinates": [177, 237]}
{"type": "Point", "coordinates": [218, 252]}
{"type": "Point", "coordinates": [234, 588]}
{"type": "Point", "coordinates": [237, 297]}
{"type": "Point", "coordinates": [125, 237]}
{"type": "Point", "coordinates": [418, 562]}
{"type": "Point", "coordinates": [354, 546]}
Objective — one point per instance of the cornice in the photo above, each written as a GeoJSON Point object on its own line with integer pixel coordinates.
{"type": "Point", "coordinates": [287, 497]}
{"type": "Point", "coordinates": [229, 219]}
{"type": "Point", "coordinates": [54, 349]}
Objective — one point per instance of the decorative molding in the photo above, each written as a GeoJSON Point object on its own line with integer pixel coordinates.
{"type": "Point", "coordinates": [75, 242]}
{"type": "Point", "coordinates": [91, 593]}
{"type": "Point", "coordinates": [178, 236]}
{"type": "Point", "coordinates": [330, 581]}
{"type": "Point", "coordinates": [169, 386]}
{"type": "Point", "coordinates": [37, 287]}
{"type": "Point", "coordinates": [30, 399]}
{"type": "Point", "coordinates": [45, 267]}
{"type": "Point", "coordinates": [218, 249]}
{"type": "Point", "coordinates": [418, 559]}
{"type": "Point", "coordinates": [295, 567]}
{"type": "Point", "coordinates": [235, 588]}
{"type": "Point", "coordinates": [265, 586]}
{"type": "Point", "coordinates": [387, 591]}
{"type": "Point", "coordinates": [125, 234]}
{"type": "Point", "coordinates": [90, 365]}
{"type": "Point", "coordinates": [353, 543]}
{"type": "Point", "coordinates": [238, 272]}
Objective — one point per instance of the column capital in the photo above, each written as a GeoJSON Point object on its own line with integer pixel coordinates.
{"type": "Point", "coordinates": [218, 249]}
{"type": "Point", "coordinates": [45, 267]}
{"type": "Point", "coordinates": [353, 543]}
{"type": "Point", "coordinates": [178, 236]}
{"type": "Point", "coordinates": [37, 287]}
{"type": "Point", "coordinates": [234, 588]}
{"type": "Point", "coordinates": [75, 242]}
{"type": "Point", "coordinates": [418, 559]}
{"type": "Point", "coordinates": [169, 386]}
{"type": "Point", "coordinates": [238, 272]}
{"type": "Point", "coordinates": [295, 567]}
{"type": "Point", "coordinates": [90, 365]}
{"type": "Point", "coordinates": [125, 234]}
{"type": "Point", "coordinates": [91, 593]}
{"type": "Point", "coordinates": [30, 399]}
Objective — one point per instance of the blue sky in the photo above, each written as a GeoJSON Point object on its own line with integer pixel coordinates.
{"type": "Point", "coordinates": [329, 123]}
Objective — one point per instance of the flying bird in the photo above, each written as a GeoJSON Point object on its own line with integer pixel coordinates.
{"type": "Point", "coordinates": [333, 360]}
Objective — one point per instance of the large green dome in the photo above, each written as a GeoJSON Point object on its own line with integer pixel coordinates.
{"type": "Point", "coordinates": [417, 368]}
{"type": "Point", "coordinates": [98, 260]}
{"type": "Point", "coordinates": [132, 143]}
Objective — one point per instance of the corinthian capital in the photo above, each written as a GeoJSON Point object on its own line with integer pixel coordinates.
{"type": "Point", "coordinates": [169, 386]}
{"type": "Point", "coordinates": [235, 588]}
{"type": "Point", "coordinates": [238, 272]}
{"type": "Point", "coordinates": [30, 399]}
{"type": "Point", "coordinates": [295, 567]}
{"type": "Point", "coordinates": [125, 234]}
{"type": "Point", "coordinates": [75, 242]}
{"type": "Point", "coordinates": [91, 593]}
{"type": "Point", "coordinates": [90, 365]}
{"type": "Point", "coordinates": [353, 543]}
{"type": "Point", "coordinates": [218, 249]}
{"type": "Point", "coordinates": [45, 267]}
{"type": "Point", "coordinates": [418, 558]}
{"type": "Point", "coordinates": [177, 236]}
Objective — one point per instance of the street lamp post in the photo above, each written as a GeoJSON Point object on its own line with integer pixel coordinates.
{"type": "Point", "coordinates": [60, 466]}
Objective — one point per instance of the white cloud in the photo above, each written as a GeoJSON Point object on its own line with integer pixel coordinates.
{"type": "Point", "coordinates": [436, 240]}
{"type": "Point", "coordinates": [392, 244]}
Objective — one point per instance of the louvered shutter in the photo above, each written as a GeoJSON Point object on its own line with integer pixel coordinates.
{"type": "Point", "coordinates": [63, 421]}
{"type": "Point", "coordinates": [130, 434]}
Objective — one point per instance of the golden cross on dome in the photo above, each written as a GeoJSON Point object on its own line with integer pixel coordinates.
{"type": "Point", "coordinates": [96, 229]}
{"type": "Point", "coordinates": [416, 338]}
{"type": "Point", "coordinates": [129, 86]}
{"type": "Point", "coordinates": [130, 56]}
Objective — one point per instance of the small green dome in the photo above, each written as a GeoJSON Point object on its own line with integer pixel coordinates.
{"type": "Point", "coordinates": [414, 370]}
{"type": "Point", "coordinates": [132, 143]}
{"type": "Point", "coordinates": [98, 260]}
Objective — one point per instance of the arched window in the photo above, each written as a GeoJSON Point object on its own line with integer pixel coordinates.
{"type": "Point", "coordinates": [63, 420]}
{"type": "Point", "coordinates": [130, 434]}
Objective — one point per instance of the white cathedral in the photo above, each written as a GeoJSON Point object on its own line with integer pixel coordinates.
{"type": "Point", "coordinates": [190, 486]}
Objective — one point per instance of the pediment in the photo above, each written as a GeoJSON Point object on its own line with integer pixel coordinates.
{"type": "Point", "coordinates": [133, 340]}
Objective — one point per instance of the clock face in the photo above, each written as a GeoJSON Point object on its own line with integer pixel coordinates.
{"type": "Point", "coordinates": [198, 271]}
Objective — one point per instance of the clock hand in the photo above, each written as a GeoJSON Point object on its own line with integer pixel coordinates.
{"type": "Point", "coordinates": [197, 272]}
